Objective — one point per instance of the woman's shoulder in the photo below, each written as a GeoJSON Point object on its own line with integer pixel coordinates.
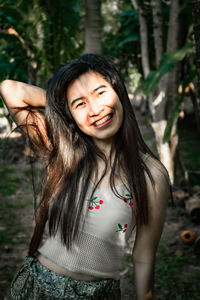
{"type": "Point", "coordinates": [155, 166]}
{"type": "Point", "coordinates": [158, 182]}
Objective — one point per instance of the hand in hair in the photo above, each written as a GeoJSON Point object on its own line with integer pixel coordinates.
{"type": "Point", "coordinates": [23, 101]}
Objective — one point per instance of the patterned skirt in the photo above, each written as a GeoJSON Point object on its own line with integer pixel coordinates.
{"type": "Point", "coordinates": [35, 282]}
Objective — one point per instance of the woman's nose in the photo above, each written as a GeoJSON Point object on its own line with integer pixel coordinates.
{"type": "Point", "coordinates": [95, 108]}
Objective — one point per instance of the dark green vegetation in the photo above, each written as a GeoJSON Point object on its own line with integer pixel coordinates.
{"type": "Point", "coordinates": [177, 273]}
{"type": "Point", "coordinates": [16, 210]}
{"type": "Point", "coordinates": [190, 148]}
{"type": "Point", "coordinates": [35, 35]}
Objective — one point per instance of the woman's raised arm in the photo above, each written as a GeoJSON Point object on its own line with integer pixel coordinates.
{"type": "Point", "coordinates": [148, 236]}
{"type": "Point", "coordinates": [18, 95]}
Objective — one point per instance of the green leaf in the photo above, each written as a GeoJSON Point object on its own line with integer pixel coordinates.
{"type": "Point", "coordinates": [167, 63]}
{"type": "Point", "coordinates": [131, 38]}
{"type": "Point", "coordinates": [120, 226]}
{"type": "Point", "coordinates": [170, 123]}
{"type": "Point", "coordinates": [127, 13]}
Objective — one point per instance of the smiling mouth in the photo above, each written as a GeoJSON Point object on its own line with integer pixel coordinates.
{"type": "Point", "coordinates": [104, 120]}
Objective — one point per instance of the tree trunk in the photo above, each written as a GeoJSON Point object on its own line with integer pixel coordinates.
{"type": "Point", "coordinates": [172, 81]}
{"type": "Point", "coordinates": [55, 24]}
{"type": "Point", "coordinates": [157, 29]}
{"type": "Point", "coordinates": [172, 44]}
{"type": "Point", "coordinates": [161, 102]}
{"type": "Point", "coordinates": [196, 14]}
{"type": "Point", "coordinates": [93, 27]}
{"type": "Point", "coordinates": [168, 88]}
{"type": "Point", "coordinates": [32, 74]}
{"type": "Point", "coordinates": [144, 47]}
{"type": "Point", "coordinates": [144, 43]}
{"type": "Point", "coordinates": [143, 38]}
{"type": "Point", "coordinates": [195, 102]}
{"type": "Point", "coordinates": [166, 150]}
{"type": "Point", "coordinates": [157, 110]}
{"type": "Point", "coordinates": [31, 68]}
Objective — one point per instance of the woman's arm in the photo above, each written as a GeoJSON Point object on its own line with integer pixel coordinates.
{"type": "Point", "coordinates": [19, 94]}
{"type": "Point", "coordinates": [148, 236]}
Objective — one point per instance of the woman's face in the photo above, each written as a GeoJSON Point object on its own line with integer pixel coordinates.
{"type": "Point", "coordinates": [95, 106]}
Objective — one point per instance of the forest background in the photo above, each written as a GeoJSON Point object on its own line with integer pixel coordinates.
{"type": "Point", "coordinates": [155, 45]}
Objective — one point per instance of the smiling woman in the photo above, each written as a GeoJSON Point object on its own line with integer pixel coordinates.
{"type": "Point", "coordinates": [101, 182]}
{"type": "Point", "coordinates": [95, 106]}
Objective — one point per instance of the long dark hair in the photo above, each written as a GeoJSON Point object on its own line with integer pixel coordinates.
{"type": "Point", "coordinates": [72, 155]}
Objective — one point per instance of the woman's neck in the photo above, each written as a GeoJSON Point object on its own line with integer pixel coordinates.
{"type": "Point", "coordinates": [105, 146]}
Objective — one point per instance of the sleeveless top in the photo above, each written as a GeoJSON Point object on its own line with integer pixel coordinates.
{"type": "Point", "coordinates": [103, 235]}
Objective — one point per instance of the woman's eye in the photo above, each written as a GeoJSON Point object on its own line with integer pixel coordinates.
{"type": "Point", "coordinates": [101, 93]}
{"type": "Point", "coordinates": [80, 104]}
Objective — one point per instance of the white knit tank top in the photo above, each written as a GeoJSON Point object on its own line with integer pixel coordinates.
{"type": "Point", "coordinates": [102, 238]}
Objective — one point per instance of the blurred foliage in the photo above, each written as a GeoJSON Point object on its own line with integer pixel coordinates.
{"type": "Point", "coordinates": [168, 61]}
{"type": "Point", "coordinates": [40, 33]}
{"type": "Point", "coordinates": [121, 38]}
{"type": "Point", "coordinates": [10, 182]}
{"type": "Point", "coordinates": [180, 100]}
{"type": "Point", "coordinates": [50, 33]}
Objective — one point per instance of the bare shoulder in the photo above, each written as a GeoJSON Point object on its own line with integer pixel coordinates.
{"type": "Point", "coordinates": [156, 168]}
{"type": "Point", "coordinates": [159, 184]}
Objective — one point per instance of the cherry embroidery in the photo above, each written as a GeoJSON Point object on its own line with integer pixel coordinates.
{"type": "Point", "coordinates": [122, 228]}
{"type": "Point", "coordinates": [95, 203]}
{"type": "Point", "coordinates": [128, 199]}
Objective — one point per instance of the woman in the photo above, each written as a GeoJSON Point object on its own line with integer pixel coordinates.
{"type": "Point", "coordinates": [101, 181]}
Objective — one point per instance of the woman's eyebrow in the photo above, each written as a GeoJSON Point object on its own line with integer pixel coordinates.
{"type": "Point", "coordinates": [99, 87]}
{"type": "Point", "coordinates": [75, 100]}
{"type": "Point", "coordinates": [81, 98]}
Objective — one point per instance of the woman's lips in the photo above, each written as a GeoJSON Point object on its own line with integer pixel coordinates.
{"type": "Point", "coordinates": [104, 121]}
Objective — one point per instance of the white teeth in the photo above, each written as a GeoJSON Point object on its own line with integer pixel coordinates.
{"type": "Point", "coordinates": [103, 120]}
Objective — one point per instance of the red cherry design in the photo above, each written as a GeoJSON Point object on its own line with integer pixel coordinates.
{"type": "Point", "coordinates": [125, 226]}
{"type": "Point", "coordinates": [100, 201]}
{"type": "Point", "coordinates": [91, 207]}
{"type": "Point", "coordinates": [124, 230]}
{"type": "Point", "coordinates": [97, 207]}
{"type": "Point", "coordinates": [131, 204]}
{"type": "Point", "coordinates": [125, 200]}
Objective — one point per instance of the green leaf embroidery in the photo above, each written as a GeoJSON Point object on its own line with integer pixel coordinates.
{"type": "Point", "coordinates": [120, 226]}
{"type": "Point", "coordinates": [128, 195]}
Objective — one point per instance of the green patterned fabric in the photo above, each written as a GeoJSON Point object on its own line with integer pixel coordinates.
{"type": "Point", "coordinates": [35, 282]}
